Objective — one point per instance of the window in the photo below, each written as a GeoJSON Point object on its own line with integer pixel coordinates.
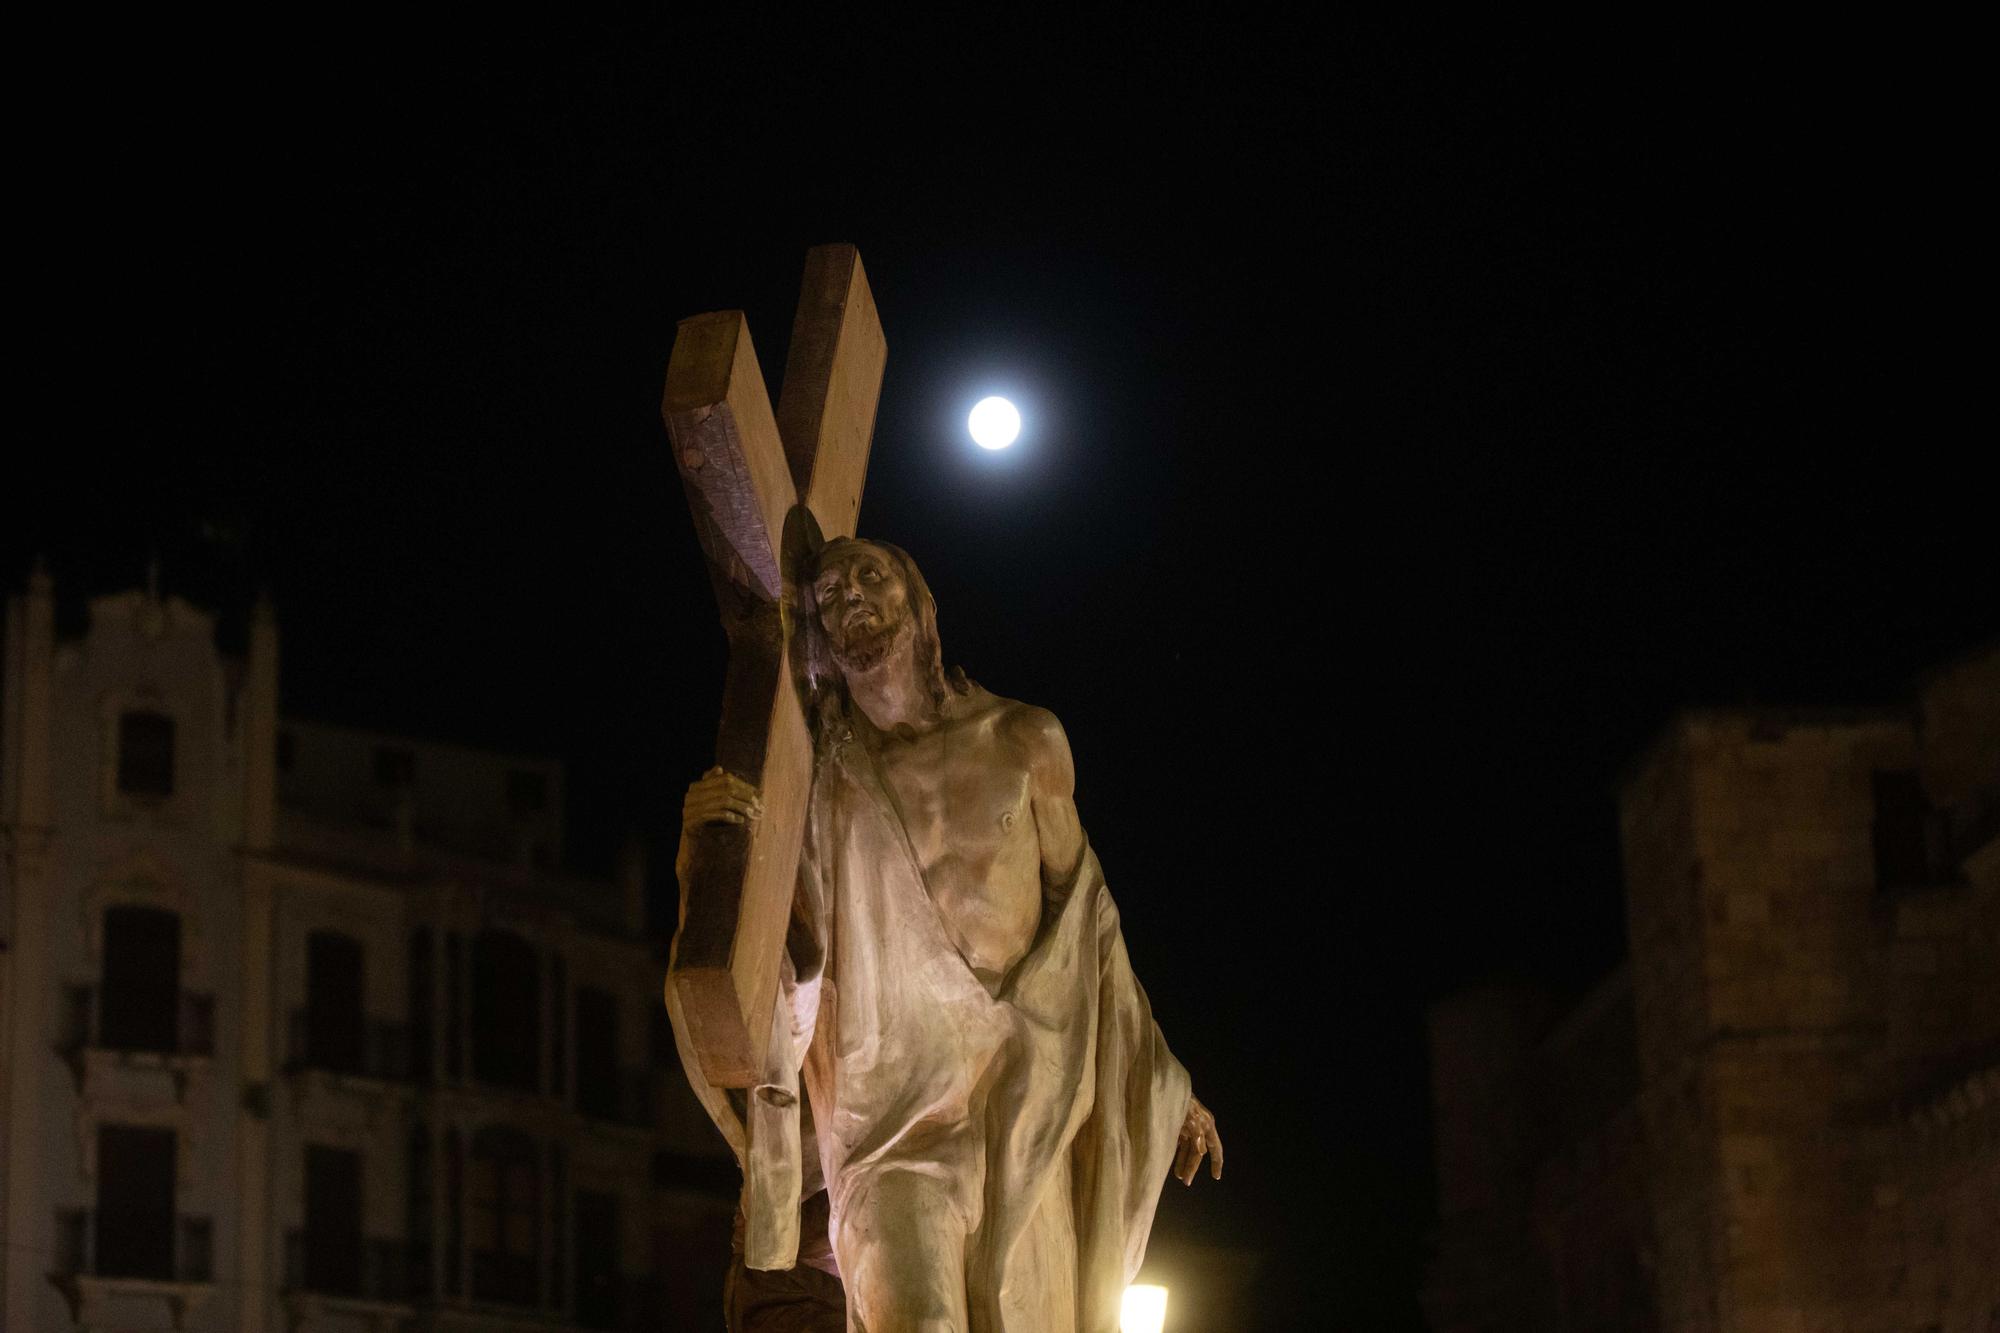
{"type": "Point", "coordinates": [135, 1202]}
{"type": "Point", "coordinates": [140, 1006]}
{"type": "Point", "coordinates": [394, 766]}
{"type": "Point", "coordinates": [146, 755]}
{"type": "Point", "coordinates": [333, 1002]}
{"type": "Point", "coordinates": [1911, 844]}
{"type": "Point", "coordinates": [527, 792]}
{"type": "Point", "coordinates": [332, 1257]}
{"type": "Point", "coordinates": [506, 1012]}
{"type": "Point", "coordinates": [503, 1209]}
{"type": "Point", "coordinates": [597, 1052]}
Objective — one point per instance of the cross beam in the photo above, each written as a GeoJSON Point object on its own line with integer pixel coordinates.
{"type": "Point", "coordinates": [766, 489]}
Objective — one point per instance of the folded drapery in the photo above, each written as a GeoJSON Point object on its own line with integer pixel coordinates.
{"type": "Point", "coordinates": [1034, 1115]}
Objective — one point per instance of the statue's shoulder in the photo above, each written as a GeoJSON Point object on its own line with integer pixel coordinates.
{"type": "Point", "coordinates": [1035, 730]}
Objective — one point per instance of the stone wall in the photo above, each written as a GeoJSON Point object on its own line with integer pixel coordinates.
{"type": "Point", "coordinates": [1540, 1163]}
{"type": "Point", "coordinates": [1815, 1030]}
{"type": "Point", "coordinates": [1663, 879]}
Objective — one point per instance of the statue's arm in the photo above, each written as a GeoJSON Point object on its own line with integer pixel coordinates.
{"type": "Point", "coordinates": [1052, 772]}
{"type": "Point", "coordinates": [1052, 790]}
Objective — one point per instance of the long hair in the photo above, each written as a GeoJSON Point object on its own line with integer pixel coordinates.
{"type": "Point", "coordinates": [828, 688]}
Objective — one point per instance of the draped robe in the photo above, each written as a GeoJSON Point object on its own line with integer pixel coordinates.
{"type": "Point", "coordinates": [1037, 1118]}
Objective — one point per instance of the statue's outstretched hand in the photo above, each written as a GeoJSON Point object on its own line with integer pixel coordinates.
{"type": "Point", "coordinates": [1198, 1139]}
{"type": "Point", "coordinates": [716, 797]}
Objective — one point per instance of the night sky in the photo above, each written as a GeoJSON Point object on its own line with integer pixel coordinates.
{"type": "Point", "coordinates": [1415, 421]}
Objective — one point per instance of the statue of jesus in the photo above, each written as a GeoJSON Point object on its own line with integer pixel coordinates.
{"type": "Point", "coordinates": [993, 1106]}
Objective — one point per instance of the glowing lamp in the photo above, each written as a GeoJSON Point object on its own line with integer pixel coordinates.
{"type": "Point", "coordinates": [994, 423]}
{"type": "Point", "coordinates": [1144, 1311]}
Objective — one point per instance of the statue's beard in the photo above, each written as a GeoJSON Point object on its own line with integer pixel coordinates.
{"type": "Point", "coordinates": [865, 653]}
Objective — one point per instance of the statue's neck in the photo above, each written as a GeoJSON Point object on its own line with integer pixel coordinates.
{"type": "Point", "coordinates": [891, 698]}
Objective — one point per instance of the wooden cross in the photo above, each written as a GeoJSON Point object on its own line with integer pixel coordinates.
{"type": "Point", "coordinates": [765, 492]}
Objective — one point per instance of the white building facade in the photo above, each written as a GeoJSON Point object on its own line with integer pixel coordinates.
{"type": "Point", "coordinates": [302, 1027]}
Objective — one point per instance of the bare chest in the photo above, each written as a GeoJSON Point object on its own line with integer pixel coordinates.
{"type": "Point", "coordinates": [965, 798]}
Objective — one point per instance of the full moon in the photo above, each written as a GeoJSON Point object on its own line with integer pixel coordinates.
{"type": "Point", "coordinates": [994, 423]}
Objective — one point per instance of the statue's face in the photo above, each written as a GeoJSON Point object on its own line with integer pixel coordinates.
{"type": "Point", "coordinates": [863, 605]}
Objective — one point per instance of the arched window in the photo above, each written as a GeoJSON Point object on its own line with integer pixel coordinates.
{"type": "Point", "coordinates": [503, 1201]}
{"type": "Point", "coordinates": [139, 1008]}
{"type": "Point", "coordinates": [506, 1011]}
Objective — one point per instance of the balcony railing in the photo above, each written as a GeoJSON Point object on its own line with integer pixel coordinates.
{"type": "Point", "coordinates": [186, 1255]}
{"type": "Point", "coordinates": [369, 1049]}
{"type": "Point", "coordinates": [191, 1032]}
{"type": "Point", "coordinates": [388, 1271]}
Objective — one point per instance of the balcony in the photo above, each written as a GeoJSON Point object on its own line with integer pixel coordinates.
{"type": "Point", "coordinates": [183, 1255]}
{"type": "Point", "coordinates": [357, 1049]}
{"type": "Point", "coordinates": [188, 1031]}
{"type": "Point", "coordinates": [117, 1056]}
{"type": "Point", "coordinates": [174, 1266]}
{"type": "Point", "coordinates": [387, 1272]}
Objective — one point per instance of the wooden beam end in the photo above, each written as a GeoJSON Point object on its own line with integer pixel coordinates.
{"type": "Point", "coordinates": [722, 1046]}
{"type": "Point", "coordinates": [703, 361]}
